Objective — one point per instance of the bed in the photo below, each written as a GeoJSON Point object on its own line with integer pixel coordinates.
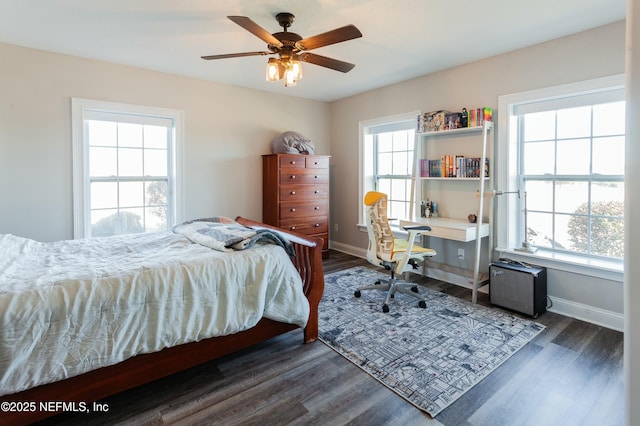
{"type": "Point", "coordinates": [156, 352]}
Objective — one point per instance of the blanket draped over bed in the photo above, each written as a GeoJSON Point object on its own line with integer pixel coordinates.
{"type": "Point", "coordinates": [73, 306]}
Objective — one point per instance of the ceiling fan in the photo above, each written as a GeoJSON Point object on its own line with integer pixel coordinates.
{"type": "Point", "coordinates": [292, 48]}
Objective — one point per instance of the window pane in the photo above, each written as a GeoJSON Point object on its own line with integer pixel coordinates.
{"type": "Point", "coordinates": [572, 232]}
{"type": "Point", "coordinates": [130, 135]}
{"type": "Point", "coordinates": [540, 229]}
{"type": "Point", "coordinates": [572, 197]}
{"type": "Point", "coordinates": [102, 133]}
{"type": "Point", "coordinates": [155, 137]}
{"type": "Point", "coordinates": [104, 195]}
{"type": "Point", "coordinates": [540, 126]}
{"type": "Point", "coordinates": [399, 189]}
{"type": "Point", "coordinates": [103, 162]}
{"type": "Point", "coordinates": [129, 162]}
{"type": "Point", "coordinates": [609, 119]}
{"type": "Point", "coordinates": [573, 157]}
{"type": "Point", "coordinates": [400, 161]}
{"type": "Point", "coordinates": [155, 218]}
{"type": "Point", "coordinates": [539, 195]}
{"type": "Point", "coordinates": [609, 192]}
{"type": "Point", "coordinates": [400, 142]}
{"type": "Point", "coordinates": [385, 163]}
{"type": "Point", "coordinates": [397, 210]}
{"type": "Point", "coordinates": [607, 237]}
{"type": "Point", "coordinates": [538, 158]}
{"type": "Point", "coordinates": [385, 142]}
{"type": "Point", "coordinates": [131, 221]}
{"type": "Point", "coordinates": [131, 194]}
{"type": "Point", "coordinates": [156, 202]}
{"type": "Point", "coordinates": [384, 186]}
{"type": "Point", "coordinates": [574, 122]}
{"type": "Point", "coordinates": [608, 155]}
{"type": "Point", "coordinates": [155, 162]}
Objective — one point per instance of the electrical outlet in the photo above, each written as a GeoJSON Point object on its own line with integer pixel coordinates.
{"type": "Point", "coordinates": [460, 253]}
{"type": "Point", "coordinates": [335, 227]}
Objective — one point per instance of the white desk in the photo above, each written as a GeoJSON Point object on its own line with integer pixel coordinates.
{"type": "Point", "coordinates": [458, 230]}
{"type": "Point", "coordinates": [450, 229]}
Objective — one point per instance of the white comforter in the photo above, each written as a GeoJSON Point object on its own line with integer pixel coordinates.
{"type": "Point", "coordinates": [73, 306]}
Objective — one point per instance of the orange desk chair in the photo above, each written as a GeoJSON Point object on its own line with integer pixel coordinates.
{"type": "Point", "coordinates": [395, 255]}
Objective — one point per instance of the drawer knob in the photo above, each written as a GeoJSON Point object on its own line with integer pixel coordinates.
{"type": "Point", "coordinates": [317, 208]}
{"type": "Point", "coordinates": [293, 210]}
{"type": "Point", "coordinates": [316, 177]}
{"type": "Point", "coordinates": [317, 225]}
{"type": "Point", "coordinates": [293, 228]}
{"type": "Point", "coordinates": [316, 191]}
{"type": "Point", "coordinates": [292, 162]}
{"type": "Point", "coordinates": [293, 192]}
{"type": "Point", "coordinates": [293, 176]}
{"type": "Point", "coordinates": [315, 162]}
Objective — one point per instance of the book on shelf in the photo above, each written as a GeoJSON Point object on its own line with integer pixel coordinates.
{"type": "Point", "coordinates": [442, 120]}
{"type": "Point", "coordinates": [454, 166]}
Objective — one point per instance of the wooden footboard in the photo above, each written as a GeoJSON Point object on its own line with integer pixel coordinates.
{"type": "Point", "coordinates": [141, 369]}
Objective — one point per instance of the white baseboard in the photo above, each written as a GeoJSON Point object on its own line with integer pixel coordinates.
{"type": "Point", "coordinates": [568, 308]}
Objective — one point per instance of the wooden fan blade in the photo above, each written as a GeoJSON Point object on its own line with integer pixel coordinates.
{"type": "Point", "coordinates": [236, 55]}
{"type": "Point", "coordinates": [323, 61]}
{"type": "Point", "coordinates": [256, 30]}
{"type": "Point", "coordinates": [338, 35]}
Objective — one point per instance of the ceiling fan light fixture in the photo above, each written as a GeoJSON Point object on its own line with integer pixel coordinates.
{"type": "Point", "coordinates": [275, 70]}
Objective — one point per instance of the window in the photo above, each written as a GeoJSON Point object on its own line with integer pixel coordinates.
{"type": "Point", "coordinates": [125, 174]}
{"type": "Point", "coordinates": [387, 148]}
{"type": "Point", "coordinates": [570, 164]}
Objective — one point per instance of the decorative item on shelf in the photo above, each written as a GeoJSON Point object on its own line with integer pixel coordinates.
{"type": "Point", "coordinates": [425, 210]}
{"type": "Point", "coordinates": [472, 218]}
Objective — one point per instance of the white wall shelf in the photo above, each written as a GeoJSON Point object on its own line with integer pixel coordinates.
{"type": "Point", "coordinates": [446, 228]}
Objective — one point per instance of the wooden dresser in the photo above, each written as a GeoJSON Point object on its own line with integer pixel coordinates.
{"type": "Point", "coordinates": [295, 194]}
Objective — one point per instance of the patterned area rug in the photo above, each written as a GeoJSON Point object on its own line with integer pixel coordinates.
{"type": "Point", "coordinates": [429, 356]}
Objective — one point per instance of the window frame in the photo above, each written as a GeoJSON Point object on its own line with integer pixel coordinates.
{"type": "Point", "coordinates": [509, 234]}
{"type": "Point", "coordinates": [86, 109]}
{"type": "Point", "coordinates": [367, 154]}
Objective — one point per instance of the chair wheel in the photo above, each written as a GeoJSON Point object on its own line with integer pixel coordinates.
{"type": "Point", "coordinates": [422, 304]}
{"type": "Point", "coordinates": [414, 289]}
{"type": "Point", "coordinates": [357, 293]}
{"type": "Point", "coordinates": [385, 308]}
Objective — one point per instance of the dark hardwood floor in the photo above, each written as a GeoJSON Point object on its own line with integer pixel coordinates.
{"type": "Point", "coordinates": [571, 374]}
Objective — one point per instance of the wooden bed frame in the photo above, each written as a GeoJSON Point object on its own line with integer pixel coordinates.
{"type": "Point", "coordinates": [98, 384]}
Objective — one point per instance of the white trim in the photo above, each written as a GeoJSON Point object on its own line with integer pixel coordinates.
{"type": "Point", "coordinates": [602, 317]}
{"type": "Point", "coordinates": [364, 124]}
{"type": "Point", "coordinates": [507, 235]}
{"type": "Point", "coordinates": [79, 109]}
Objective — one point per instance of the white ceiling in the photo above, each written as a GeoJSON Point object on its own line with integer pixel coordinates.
{"type": "Point", "coordinates": [401, 39]}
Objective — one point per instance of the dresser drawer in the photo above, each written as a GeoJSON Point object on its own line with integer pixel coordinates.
{"type": "Point", "coordinates": [293, 210]}
{"type": "Point", "coordinates": [304, 176]}
{"type": "Point", "coordinates": [288, 161]}
{"type": "Point", "coordinates": [302, 192]}
{"type": "Point", "coordinates": [307, 226]}
{"type": "Point", "coordinates": [316, 163]}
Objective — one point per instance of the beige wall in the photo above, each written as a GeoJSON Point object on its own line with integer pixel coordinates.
{"type": "Point", "coordinates": [226, 130]}
{"type": "Point", "coordinates": [588, 55]}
